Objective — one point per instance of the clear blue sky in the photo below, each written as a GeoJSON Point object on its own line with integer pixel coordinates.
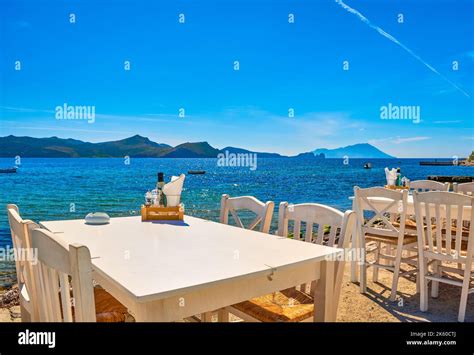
{"type": "Point", "coordinates": [282, 66]}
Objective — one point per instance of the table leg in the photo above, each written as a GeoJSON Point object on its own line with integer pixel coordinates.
{"type": "Point", "coordinates": [206, 317]}
{"type": "Point", "coordinates": [324, 293]}
{"type": "Point", "coordinates": [354, 246]}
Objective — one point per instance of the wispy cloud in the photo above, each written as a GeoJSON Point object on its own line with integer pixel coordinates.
{"type": "Point", "coordinates": [21, 24]}
{"type": "Point", "coordinates": [24, 109]}
{"type": "Point", "coordinates": [447, 121]}
{"type": "Point", "coordinates": [396, 41]}
{"type": "Point", "coordinates": [398, 140]}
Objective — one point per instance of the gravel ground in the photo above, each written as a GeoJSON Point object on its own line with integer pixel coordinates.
{"type": "Point", "coordinates": [375, 306]}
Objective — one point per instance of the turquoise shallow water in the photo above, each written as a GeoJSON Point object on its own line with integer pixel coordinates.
{"type": "Point", "coordinates": [44, 189]}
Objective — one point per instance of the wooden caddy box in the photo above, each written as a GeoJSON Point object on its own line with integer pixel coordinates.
{"type": "Point", "coordinates": [393, 187]}
{"type": "Point", "coordinates": [156, 213]}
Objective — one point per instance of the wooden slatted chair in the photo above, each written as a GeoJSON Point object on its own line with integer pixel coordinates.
{"type": "Point", "coordinates": [20, 232]}
{"type": "Point", "coordinates": [444, 209]}
{"type": "Point", "coordinates": [263, 211]}
{"type": "Point", "coordinates": [232, 205]}
{"type": "Point", "coordinates": [381, 230]}
{"type": "Point", "coordinates": [466, 188]}
{"type": "Point", "coordinates": [65, 291]}
{"type": "Point", "coordinates": [294, 305]}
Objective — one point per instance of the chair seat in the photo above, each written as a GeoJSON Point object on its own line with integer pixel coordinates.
{"type": "Point", "coordinates": [289, 305]}
{"type": "Point", "coordinates": [462, 249]}
{"type": "Point", "coordinates": [108, 308]}
{"type": "Point", "coordinates": [408, 239]}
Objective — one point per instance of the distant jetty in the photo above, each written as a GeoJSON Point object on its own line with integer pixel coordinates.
{"type": "Point", "coordinates": [438, 163]}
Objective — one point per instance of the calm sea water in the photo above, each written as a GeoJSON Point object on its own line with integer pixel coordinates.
{"type": "Point", "coordinates": [52, 189]}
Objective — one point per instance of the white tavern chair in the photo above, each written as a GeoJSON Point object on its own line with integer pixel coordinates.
{"type": "Point", "coordinates": [263, 216]}
{"type": "Point", "coordinates": [466, 188]}
{"type": "Point", "coordinates": [24, 255]}
{"type": "Point", "coordinates": [445, 244]}
{"type": "Point", "coordinates": [292, 305]}
{"type": "Point", "coordinates": [428, 185]}
{"type": "Point", "coordinates": [65, 290]}
{"type": "Point", "coordinates": [263, 211]}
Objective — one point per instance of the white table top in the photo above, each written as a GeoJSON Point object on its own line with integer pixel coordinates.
{"type": "Point", "coordinates": [409, 198]}
{"type": "Point", "coordinates": [154, 260]}
{"type": "Point", "coordinates": [411, 206]}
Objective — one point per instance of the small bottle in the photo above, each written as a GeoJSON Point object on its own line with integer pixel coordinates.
{"type": "Point", "coordinates": [399, 178]}
{"type": "Point", "coordinates": [148, 198]}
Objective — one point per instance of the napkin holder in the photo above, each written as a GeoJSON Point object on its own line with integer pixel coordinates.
{"type": "Point", "coordinates": [161, 213]}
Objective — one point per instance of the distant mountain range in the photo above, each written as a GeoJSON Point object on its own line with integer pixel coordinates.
{"type": "Point", "coordinates": [361, 150]}
{"type": "Point", "coordinates": [141, 147]}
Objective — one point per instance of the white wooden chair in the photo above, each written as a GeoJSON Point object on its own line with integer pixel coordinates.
{"type": "Point", "coordinates": [466, 188]}
{"type": "Point", "coordinates": [263, 211]}
{"type": "Point", "coordinates": [24, 262]}
{"type": "Point", "coordinates": [65, 291]}
{"type": "Point", "coordinates": [445, 244]}
{"type": "Point", "coordinates": [428, 185]}
{"type": "Point", "coordinates": [292, 305]}
{"type": "Point", "coordinates": [382, 229]}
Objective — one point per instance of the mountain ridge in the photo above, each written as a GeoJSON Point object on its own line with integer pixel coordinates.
{"type": "Point", "coordinates": [360, 150]}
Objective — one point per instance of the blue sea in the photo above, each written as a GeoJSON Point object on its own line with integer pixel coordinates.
{"type": "Point", "coordinates": [56, 188]}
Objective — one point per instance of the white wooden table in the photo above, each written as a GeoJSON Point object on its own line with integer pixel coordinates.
{"type": "Point", "coordinates": [167, 271]}
{"type": "Point", "coordinates": [382, 202]}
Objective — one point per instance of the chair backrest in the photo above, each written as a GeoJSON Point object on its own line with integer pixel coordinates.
{"type": "Point", "coordinates": [24, 254]}
{"type": "Point", "coordinates": [428, 185]}
{"type": "Point", "coordinates": [64, 279]}
{"type": "Point", "coordinates": [381, 202]}
{"type": "Point", "coordinates": [466, 188]}
{"type": "Point", "coordinates": [263, 211]}
{"type": "Point", "coordinates": [333, 226]}
{"type": "Point", "coordinates": [446, 211]}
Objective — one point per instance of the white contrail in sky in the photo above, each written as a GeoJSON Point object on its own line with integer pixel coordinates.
{"type": "Point", "coordinates": [396, 41]}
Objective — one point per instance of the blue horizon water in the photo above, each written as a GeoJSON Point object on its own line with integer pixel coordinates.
{"type": "Point", "coordinates": [45, 188]}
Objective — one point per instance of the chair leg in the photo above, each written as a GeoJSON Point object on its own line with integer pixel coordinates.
{"type": "Point", "coordinates": [25, 315]}
{"type": "Point", "coordinates": [363, 264]}
{"type": "Point", "coordinates": [464, 294]}
{"type": "Point", "coordinates": [435, 284]}
{"type": "Point", "coordinates": [423, 285]}
{"type": "Point", "coordinates": [206, 317]}
{"type": "Point", "coordinates": [363, 276]}
{"type": "Point", "coordinates": [355, 244]}
{"type": "Point", "coordinates": [396, 272]}
{"type": "Point", "coordinates": [375, 271]}
{"type": "Point", "coordinates": [223, 315]}
{"type": "Point", "coordinates": [389, 251]}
